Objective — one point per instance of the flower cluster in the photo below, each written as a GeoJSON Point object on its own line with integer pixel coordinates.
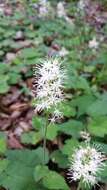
{"type": "Point", "coordinates": [86, 164]}
{"type": "Point", "coordinates": [49, 85]}
{"type": "Point", "coordinates": [86, 136]}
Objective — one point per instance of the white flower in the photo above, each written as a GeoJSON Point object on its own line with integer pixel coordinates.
{"type": "Point", "coordinates": [85, 136]}
{"type": "Point", "coordinates": [61, 10]}
{"type": "Point", "coordinates": [81, 5]}
{"type": "Point", "coordinates": [61, 13]}
{"type": "Point", "coordinates": [69, 20]}
{"type": "Point", "coordinates": [56, 116]}
{"type": "Point", "coordinates": [63, 52]}
{"type": "Point", "coordinates": [44, 8]}
{"type": "Point", "coordinates": [86, 164]}
{"type": "Point", "coordinates": [2, 8]}
{"type": "Point", "coordinates": [93, 43]}
{"type": "Point", "coordinates": [49, 84]}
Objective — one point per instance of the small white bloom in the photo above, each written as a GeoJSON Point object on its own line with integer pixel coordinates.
{"type": "Point", "coordinates": [85, 136]}
{"type": "Point", "coordinates": [63, 52]}
{"type": "Point", "coordinates": [1, 9]}
{"type": "Point", "coordinates": [49, 84]}
{"type": "Point", "coordinates": [56, 116]}
{"type": "Point", "coordinates": [44, 8]}
{"type": "Point", "coordinates": [61, 10]}
{"type": "Point", "coordinates": [81, 5]}
{"type": "Point", "coordinates": [86, 164]}
{"type": "Point", "coordinates": [69, 20]}
{"type": "Point", "coordinates": [61, 13]}
{"type": "Point", "coordinates": [94, 44]}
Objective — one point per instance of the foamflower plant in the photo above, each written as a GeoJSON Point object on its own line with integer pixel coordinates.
{"type": "Point", "coordinates": [86, 165]}
{"type": "Point", "coordinates": [48, 86]}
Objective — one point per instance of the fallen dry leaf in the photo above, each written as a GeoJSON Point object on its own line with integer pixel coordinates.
{"type": "Point", "coordinates": [13, 142]}
{"type": "Point", "coordinates": [19, 106]}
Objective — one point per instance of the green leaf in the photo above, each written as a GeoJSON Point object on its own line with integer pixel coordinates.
{"type": "Point", "coordinates": [3, 145]}
{"type": "Point", "coordinates": [82, 83]}
{"type": "Point", "coordinates": [38, 122]}
{"type": "Point", "coordinates": [98, 126]}
{"type": "Point", "coordinates": [3, 68]}
{"type": "Point", "coordinates": [28, 157]}
{"type": "Point", "coordinates": [60, 159]}
{"type": "Point", "coordinates": [3, 165]}
{"type": "Point", "coordinates": [76, 41]}
{"type": "Point", "coordinates": [73, 80]}
{"type": "Point", "coordinates": [4, 88]}
{"type": "Point", "coordinates": [54, 181]}
{"type": "Point", "coordinates": [70, 146]}
{"type": "Point", "coordinates": [67, 109]}
{"type": "Point", "coordinates": [14, 78]}
{"type": "Point", "coordinates": [9, 33]}
{"type": "Point", "coordinates": [71, 127]}
{"type": "Point", "coordinates": [30, 34]}
{"type": "Point", "coordinates": [28, 53]}
{"type": "Point", "coordinates": [52, 131]}
{"type": "Point", "coordinates": [83, 103]}
{"type": "Point", "coordinates": [31, 137]}
{"type": "Point", "coordinates": [3, 84]}
{"type": "Point", "coordinates": [18, 175]}
{"type": "Point", "coordinates": [40, 172]}
{"type": "Point", "coordinates": [1, 53]}
{"type": "Point", "coordinates": [102, 58]}
{"type": "Point", "coordinates": [99, 107]}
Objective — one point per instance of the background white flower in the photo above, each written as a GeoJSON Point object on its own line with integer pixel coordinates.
{"type": "Point", "coordinates": [61, 13]}
{"type": "Point", "coordinates": [81, 5]}
{"type": "Point", "coordinates": [44, 8]}
{"type": "Point", "coordinates": [86, 164]}
{"type": "Point", "coordinates": [94, 44]}
{"type": "Point", "coordinates": [61, 10]}
{"type": "Point", "coordinates": [63, 52]}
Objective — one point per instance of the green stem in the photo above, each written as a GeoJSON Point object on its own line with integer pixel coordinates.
{"type": "Point", "coordinates": [44, 140]}
{"type": "Point", "coordinates": [79, 186]}
{"type": "Point", "coordinates": [44, 144]}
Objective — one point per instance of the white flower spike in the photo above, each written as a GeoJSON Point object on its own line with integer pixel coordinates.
{"type": "Point", "coordinates": [61, 10]}
{"type": "Point", "coordinates": [49, 78]}
{"type": "Point", "coordinates": [86, 164]}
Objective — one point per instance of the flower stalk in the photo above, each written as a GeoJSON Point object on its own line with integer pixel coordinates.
{"type": "Point", "coordinates": [44, 140]}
